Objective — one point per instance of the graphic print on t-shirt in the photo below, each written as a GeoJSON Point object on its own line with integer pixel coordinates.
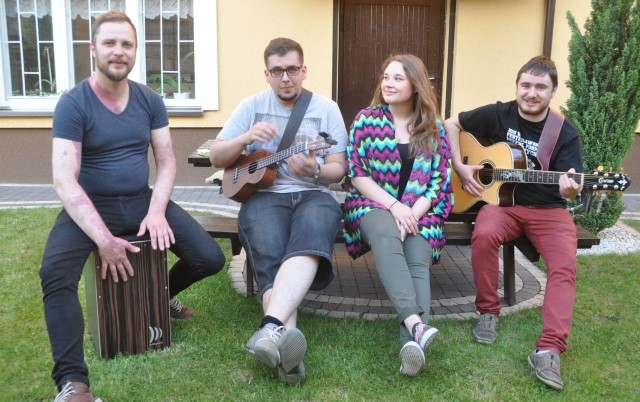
{"type": "Point", "coordinates": [530, 147]}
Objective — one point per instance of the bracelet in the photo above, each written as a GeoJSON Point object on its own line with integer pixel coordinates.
{"type": "Point", "coordinates": [394, 203]}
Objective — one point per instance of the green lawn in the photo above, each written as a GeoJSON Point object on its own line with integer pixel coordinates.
{"type": "Point", "coordinates": [347, 360]}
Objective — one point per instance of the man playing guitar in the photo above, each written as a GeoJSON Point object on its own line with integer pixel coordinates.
{"type": "Point", "coordinates": [539, 211]}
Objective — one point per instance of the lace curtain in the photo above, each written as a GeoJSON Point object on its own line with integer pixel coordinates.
{"type": "Point", "coordinates": [152, 7]}
{"type": "Point", "coordinates": [41, 7]}
{"type": "Point", "coordinates": [81, 7]}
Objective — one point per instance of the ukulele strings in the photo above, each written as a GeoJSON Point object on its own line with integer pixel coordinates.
{"type": "Point", "coordinates": [273, 158]}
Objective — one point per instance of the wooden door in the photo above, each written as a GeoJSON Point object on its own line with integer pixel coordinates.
{"type": "Point", "coordinates": [372, 30]}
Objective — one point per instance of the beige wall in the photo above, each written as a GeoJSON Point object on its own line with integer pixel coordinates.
{"type": "Point", "coordinates": [494, 38]}
{"type": "Point", "coordinates": [245, 27]}
{"type": "Point", "coordinates": [560, 46]}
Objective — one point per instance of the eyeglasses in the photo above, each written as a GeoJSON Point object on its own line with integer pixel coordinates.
{"type": "Point", "coordinates": [278, 72]}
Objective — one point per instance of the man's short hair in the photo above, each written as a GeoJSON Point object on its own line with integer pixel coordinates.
{"type": "Point", "coordinates": [111, 16]}
{"type": "Point", "coordinates": [540, 65]}
{"type": "Point", "coordinates": [282, 46]}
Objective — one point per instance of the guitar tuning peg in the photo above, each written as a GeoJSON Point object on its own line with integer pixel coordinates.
{"type": "Point", "coordinates": [610, 169]}
{"type": "Point", "coordinates": [621, 169]}
{"type": "Point", "coordinates": [600, 168]}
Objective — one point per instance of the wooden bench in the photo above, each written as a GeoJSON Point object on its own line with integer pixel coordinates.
{"type": "Point", "coordinates": [458, 229]}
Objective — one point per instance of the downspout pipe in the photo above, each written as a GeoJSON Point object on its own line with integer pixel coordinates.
{"type": "Point", "coordinates": [548, 28]}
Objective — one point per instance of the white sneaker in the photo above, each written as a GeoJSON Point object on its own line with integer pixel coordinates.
{"type": "Point", "coordinates": [411, 359]}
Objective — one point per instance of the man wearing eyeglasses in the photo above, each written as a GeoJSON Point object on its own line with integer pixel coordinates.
{"type": "Point", "coordinates": [287, 229]}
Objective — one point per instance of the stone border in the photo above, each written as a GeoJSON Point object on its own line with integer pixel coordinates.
{"type": "Point", "coordinates": [531, 289]}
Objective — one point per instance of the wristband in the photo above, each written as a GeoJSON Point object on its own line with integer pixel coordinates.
{"type": "Point", "coordinates": [394, 203]}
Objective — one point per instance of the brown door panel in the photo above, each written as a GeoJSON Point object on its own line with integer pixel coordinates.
{"type": "Point", "coordinates": [371, 30]}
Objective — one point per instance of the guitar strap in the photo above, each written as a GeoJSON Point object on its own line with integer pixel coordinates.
{"type": "Point", "coordinates": [549, 137]}
{"type": "Point", "coordinates": [299, 109]}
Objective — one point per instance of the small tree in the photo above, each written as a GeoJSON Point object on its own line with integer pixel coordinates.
{"type": "Point", "coordinates": [604, 104]}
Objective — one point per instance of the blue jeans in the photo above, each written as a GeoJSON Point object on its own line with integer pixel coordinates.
{"type": "Point", "coordinates": [403, 267]}
{"type": "Point", "coordinates": [67, 250]}
{"type": "Point", "coordinates": [274, 227]}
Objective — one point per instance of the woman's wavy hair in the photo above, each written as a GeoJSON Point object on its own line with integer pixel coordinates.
{"type": "Point", "coordinates": [422, 125]}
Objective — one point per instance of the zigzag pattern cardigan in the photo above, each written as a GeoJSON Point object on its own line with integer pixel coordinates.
{"type": "Point", "coordinates": [373, 152]}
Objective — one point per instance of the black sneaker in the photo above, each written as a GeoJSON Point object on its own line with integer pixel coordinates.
{"type": "Point", "coordinates": [547, 367]}
{"type": "Point", "coordinates": [76, 392]}
{"type": "Point", "coordinates": [424, 335]}
{"type": "Point", "coordinates": [485, 330]}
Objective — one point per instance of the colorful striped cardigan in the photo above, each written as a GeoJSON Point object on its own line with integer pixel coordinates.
{"type": "Point", "coordinates": [373, 152]}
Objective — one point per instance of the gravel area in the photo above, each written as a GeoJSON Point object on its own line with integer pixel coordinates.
{"type": "Point", "coordinates": [619, 239]}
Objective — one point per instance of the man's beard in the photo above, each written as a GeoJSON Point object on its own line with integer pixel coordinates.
{"type": "Point", "coordinates": [288, 98]}
{"type": "Point", "coordinates": [113, 76]}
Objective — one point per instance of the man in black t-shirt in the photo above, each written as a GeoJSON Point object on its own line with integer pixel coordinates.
{"type": "Point", "coordinates": [539, 211]}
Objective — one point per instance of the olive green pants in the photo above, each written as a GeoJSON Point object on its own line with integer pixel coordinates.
{"type": "Point", "coordinates": [403, 267]}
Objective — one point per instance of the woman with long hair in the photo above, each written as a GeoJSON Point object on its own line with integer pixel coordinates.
{"type": "Point", "coordinates": [399, 194]}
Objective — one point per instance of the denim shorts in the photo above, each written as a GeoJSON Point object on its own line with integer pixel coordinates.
{"type": "Point", "coordinates": [274, 227]}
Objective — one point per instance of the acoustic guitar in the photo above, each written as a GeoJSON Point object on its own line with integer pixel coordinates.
{"type": "Point", "coordinates": [258, 170]}
{"type": "Point", "coordinates": [505, 166]}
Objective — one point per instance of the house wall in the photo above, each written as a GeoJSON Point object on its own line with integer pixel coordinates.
{"type": "Point", "coordinates": [494, 38]}
{"type": "Point", "coordinates": [25, 141]}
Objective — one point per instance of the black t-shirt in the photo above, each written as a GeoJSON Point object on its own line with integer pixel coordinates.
{"type": "Point", "coordinates": [405, 169]}
{"type": "Point", "coordinates": [502, 122]}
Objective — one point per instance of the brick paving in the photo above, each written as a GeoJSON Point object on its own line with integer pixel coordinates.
{"type": "Point", "coordinates": [357, 290]}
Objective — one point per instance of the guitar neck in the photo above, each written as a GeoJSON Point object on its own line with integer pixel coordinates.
{"type": "Point", "coordinates": [530, 176]}
{"type": "Point", "coordinates": [281, 155]}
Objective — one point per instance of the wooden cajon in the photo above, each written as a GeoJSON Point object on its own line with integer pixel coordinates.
{"type": "Point", "coordinates": [133, 316]}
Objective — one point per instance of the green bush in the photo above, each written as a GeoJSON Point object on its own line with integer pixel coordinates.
{"type": "Point", "coordinates": [603, 213]}
{"type": "Point", "coordinates": [604, 105]}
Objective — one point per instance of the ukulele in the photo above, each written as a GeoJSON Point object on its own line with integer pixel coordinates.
{"type": "Point", "coordinates": [258, 170]}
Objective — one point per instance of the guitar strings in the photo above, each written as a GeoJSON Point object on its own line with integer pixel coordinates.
{"type": "Point", "coordinates": [486, 175]}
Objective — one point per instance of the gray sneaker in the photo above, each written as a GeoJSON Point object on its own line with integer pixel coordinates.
{"type": "Point", "coordinates": [292, 347]}
{"type": "Point", "coordinates": [547, 367]}
{"type": "Point", "coordinates": [294, 376]}
{"type": "Point", "coordinates": [411, 359]}
{"type": "Point", "coordinates": [485, 330]}
{"type": "Point", "coordinates": [264, 344]}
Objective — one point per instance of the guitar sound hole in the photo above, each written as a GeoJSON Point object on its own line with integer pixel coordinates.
{"type": "Point", "coordinates": [253, 166]}
{"type": "Point", "coordinates": [485, 175]}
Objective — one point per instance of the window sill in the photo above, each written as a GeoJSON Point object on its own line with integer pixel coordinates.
{"type": "Point", "coordinates": [25, 113]}
{"type": "Point", "coordinates": [189, 111]}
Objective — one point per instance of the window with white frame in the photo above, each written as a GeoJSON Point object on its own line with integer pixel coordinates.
{"type": "Point", "coordinates": [47, 49]}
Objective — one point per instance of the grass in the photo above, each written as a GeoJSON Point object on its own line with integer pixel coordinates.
{"type": "Point", "coordinates": [348, 359]}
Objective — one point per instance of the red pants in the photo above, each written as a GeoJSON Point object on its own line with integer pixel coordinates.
{"type": "Point", "coordinates": [553, 233]}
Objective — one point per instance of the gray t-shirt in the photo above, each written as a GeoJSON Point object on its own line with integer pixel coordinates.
{"type": "Point", "coordinates": [114, 146]}
{"type": "Point", "coordinates": [322, 115]}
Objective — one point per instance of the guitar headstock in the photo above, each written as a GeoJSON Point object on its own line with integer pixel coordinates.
{"type": "Point", "coordinates": [327, 138]}
{"type": "Point", "coordinates": [321, 143]}
{"type": "Point", "coordinates": [608, 181]}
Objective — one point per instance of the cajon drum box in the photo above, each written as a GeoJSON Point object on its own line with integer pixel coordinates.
{"type": "Point", "coordinates": [133, 316]}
